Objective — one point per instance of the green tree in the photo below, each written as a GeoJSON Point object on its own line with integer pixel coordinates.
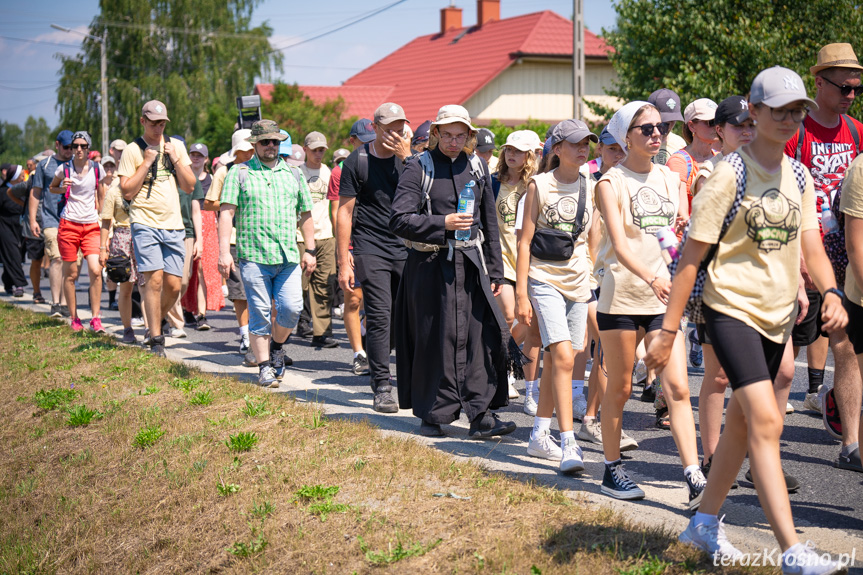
{"type": "Point", "coordinates": [38, 136]}
{"type": "Point", "coordinates": [715, 49]}
{"type": "Point", "coordinates": [297, 114]}
{"type": "Point", "coordinates": [190, 54]}
{"type": "Point", "coordinates": [17, 145]}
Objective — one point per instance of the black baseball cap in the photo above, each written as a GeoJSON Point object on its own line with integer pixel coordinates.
{"type": "Point", "coordinates": [485, 140]}
{"type": "Point", "coordinates": [668, 104]}
{"type": "Point", "coordinates": [732, 110]}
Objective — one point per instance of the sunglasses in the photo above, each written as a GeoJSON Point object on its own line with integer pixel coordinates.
{"type": "Point", "coordinates": [647, 129]}
{"type": "Point", "coordinates": [67, 147]}
{"type": "Point", "coordinates": [269, 142]}
{"type": "Point", "coordinates": [80, 146]}
{"type": "Point", "coordinates": [845, 89]}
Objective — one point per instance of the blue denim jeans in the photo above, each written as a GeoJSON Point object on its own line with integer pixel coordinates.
{"type": "Point", "coordinates": [267, 283]}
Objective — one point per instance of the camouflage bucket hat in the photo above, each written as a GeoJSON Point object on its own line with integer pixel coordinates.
{"type": "Point", "coordinates": [265, 130]}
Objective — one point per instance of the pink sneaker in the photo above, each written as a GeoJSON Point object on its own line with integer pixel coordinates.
{"type": "Point", "coordinates": [96, 325]}
{"type": "Point", "coordinates": [77, 325]}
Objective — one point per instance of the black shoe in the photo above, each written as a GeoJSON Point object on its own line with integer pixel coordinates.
{"type": "Point", "coordinates": [489, 425]}
{"type": "Point", "coordinates": [430, 429]}
{"type": "Point", "coordinates": [360, 365]}
{"type": "Point", "coordinates": [851, 461]}
{"type": "Point", "coordinates": [791, 482]}
{"type": "Point", "coordinates": [201, 323]}
{"type": "Point", "coordinates": [649, 394]}
{"type": "Point", "coordinates": [64, 311]}
{"type": "Point", "coordinates": [56, 311]}
{"type": "Point", "coordinates": [385, 403]}
{"type": "Point", "coordinates": [696, 481]}
{"type": "Point", "coordinates": [324, 341]}
{"type": "Point", "coordinates": [304, 330]}
{"type": "Point", "coordinates": [705, 469]}
{"type": "Point", "coordinates": [156, 344]}
{"type": "Point", "coordinates": [113, 306]}
{"type": "Point", "coordinates": [189, 318]}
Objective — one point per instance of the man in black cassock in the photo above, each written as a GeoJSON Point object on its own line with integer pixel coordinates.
{"type": "Point", "coordinates": [451, 339]}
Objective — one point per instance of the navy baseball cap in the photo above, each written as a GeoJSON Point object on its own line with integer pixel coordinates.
{"type": "Point", "coordinates": [65, 138]}
{"type": "Point", "coordinates": [668, 104]}
{"type": "Point", "coordinates": [422, 133]}
{"type": "Point", "coordinates": [363, 130]}
{"type": "Point", "coordinates": [606, 139]}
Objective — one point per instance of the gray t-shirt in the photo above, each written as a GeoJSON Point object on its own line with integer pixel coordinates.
{"type": "Point", "coordinates": [49, 207]}
{"type": "Point", "coordinates": [22, 191]}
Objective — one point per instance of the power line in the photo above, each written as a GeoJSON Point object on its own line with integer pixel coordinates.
{"type": "Point", "coordinates": [28, 89]}
{"type": "Point", "coordinates": [40, 42]}
{"type": "Point", "coordinates": [348, 25]}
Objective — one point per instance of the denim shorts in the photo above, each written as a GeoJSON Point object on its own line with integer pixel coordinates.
{"type": "Point", "coordinates": [264, 284]}
{"type": "Point", "coordinates": [157, 249]}
{"type": "Point", "coordinates": [560, 319]}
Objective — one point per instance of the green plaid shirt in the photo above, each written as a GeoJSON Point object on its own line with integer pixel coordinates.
{"type": "Point", "coordinates": [268, 206]}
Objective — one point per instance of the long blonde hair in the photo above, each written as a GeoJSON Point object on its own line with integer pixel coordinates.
{"type": "Point", "coordinates": [527, 171]}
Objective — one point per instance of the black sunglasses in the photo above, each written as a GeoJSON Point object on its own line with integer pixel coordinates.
{"type": "Point", "coordinates": [80, 146]}
{"type": "Point", "coordinates": [845, 89]}
{"type": "Point", "coordinates": [647, 129]}
{"type": "Point", "coordinates": [269, 142]}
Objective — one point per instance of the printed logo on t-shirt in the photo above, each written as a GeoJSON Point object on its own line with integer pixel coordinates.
{"type": "Point", "coordinates": [773, 220]}
{"type": "Point", "coordinates": [561, 215]}
{"type": "Point", "coordinates": [318, 189]}
{"type": "Point", "coordinates": [828, 161]}
{"type": "Point", "coordinates": [650, 211]}
{"type": "Point", "coordinates": [507, 208]}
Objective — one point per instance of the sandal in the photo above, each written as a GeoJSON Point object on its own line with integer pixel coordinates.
{"type": "Point", "coordinates": [37, 298]}
{"type": "Point", "coordinates": [662, 419]}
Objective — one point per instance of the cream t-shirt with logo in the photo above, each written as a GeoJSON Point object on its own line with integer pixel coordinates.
{"type": "Point", "coordinates": [646, 203]}
{"type": "Point", "coordinates": [318, 181]}
{"type": "Point", "coordinates": [851, 204]}
{"type": "Point", "coordinates": [754, 275]}
{"type": "Point", "coordinates": [558, 210]}
{"type": "Point", "coordinates": [507, 207]}
{"type": "Point", "coordinates": [160, 208]}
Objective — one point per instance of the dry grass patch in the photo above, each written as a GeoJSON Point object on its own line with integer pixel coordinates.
{"type": "Point", "coordinates": [187, 472]}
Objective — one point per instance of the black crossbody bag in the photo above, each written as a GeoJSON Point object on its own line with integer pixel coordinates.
{"type": "Point", "coordinates": [558, 245]}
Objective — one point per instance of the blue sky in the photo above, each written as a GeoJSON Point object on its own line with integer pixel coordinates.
{"type": "Point", "coordinates": [28, 71]}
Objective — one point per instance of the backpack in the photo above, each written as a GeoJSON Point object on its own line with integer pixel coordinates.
{"type": "Point", "coordinates": [154, 169]}
{"type": "Point", "coordinates": [67, 171]}
{"type": "Point", "coordinates": [834, 244]}
{"type": "Point", "coordinates": [694, 306]}
{"type": "Point", "coordinates": [244, 173]}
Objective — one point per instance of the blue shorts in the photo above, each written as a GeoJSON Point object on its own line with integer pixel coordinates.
{"type": "Point", "coordinates": [157, 249]}
{"type": "Point", "coordinates": [268, 283]}
{"type": "Point", "coordinates": [560, 319]}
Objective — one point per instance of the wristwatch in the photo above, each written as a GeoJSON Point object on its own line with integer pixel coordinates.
{"type": "Point", "coordinates": [835, 291]}
{"type": "Point", "coordinates": [313, 252]}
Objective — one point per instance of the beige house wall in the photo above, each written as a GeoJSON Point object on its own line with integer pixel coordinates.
{"type": "Point", "coordinates": [541, 90]}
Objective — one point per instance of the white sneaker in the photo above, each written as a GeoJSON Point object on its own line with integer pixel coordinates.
{"type": "Point", "coordinates": [627, 443]}
{"type": "Point", "coordinates": [572, 461]}
{"type": "Point", "coordinates": [178, 333]}
{"type": "Point", "coordinates": [812, 402]}
{"type": "Point", "coordinates": [710, 539]}
{"type": "Point", "coordinates": [579, 407]}
{"type": "Point", "coordinates": [530, 405]}
{"type": "Point", "coordinates": [137, 322]}
{"type": "Point", "coordinates": [513, 392]}
{"type": "Point", "coordinates": [591, 432]}
{"type": "Point", "coordinates": [802, 559]}
{"type": "Point", "coordinates": [789, 408]}
{"type": "Point", "coordinates": [545, 447]}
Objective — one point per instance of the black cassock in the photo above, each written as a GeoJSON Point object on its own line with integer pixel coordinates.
{"type": "Point", "coordinates": [451, 338]}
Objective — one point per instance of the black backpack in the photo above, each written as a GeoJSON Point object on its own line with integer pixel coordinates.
{"type": "Point", "coordinates": [154, 169]}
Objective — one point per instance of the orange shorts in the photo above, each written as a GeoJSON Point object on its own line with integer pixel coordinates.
{"type": "Point", "coordinates": [73, 236]}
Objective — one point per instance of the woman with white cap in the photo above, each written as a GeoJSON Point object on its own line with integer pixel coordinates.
{"type": "Point", "coordinates": [554, 272]}
{"type": "Point", "coordinates": [758, 208]}
{"type": "Point", "coordinates": [699, 132]}
{"type": "Point", "coordinates": [451, 339]}
{"type": "Point", "coordinates": [637, 198]}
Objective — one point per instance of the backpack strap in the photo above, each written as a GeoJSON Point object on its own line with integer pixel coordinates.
{"type": "Point", "coordinates": [139, 141]}
{"type": "Point", "coordinates": [363, 165]}
{"type": "Point", "coordinates": [495, 185]}
{"type": "Point", "coordinates": [740, 172]}
{"type": "Point", "coordinates": [685, 155]}
{"type": "Point", "coordinates": [579, 213]}
{"type": "Point", "coordinates": [798, 153]}
{"type": "Point", "coordinates": [799, 173]}
{"type": "Point", "coordinates": [852, 127]}
{"type": "Point", "coordinates": [427, 164]}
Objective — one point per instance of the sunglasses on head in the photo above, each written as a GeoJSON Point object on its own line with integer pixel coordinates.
{"type": "Point", "coordinates": [80, 146]}
{"type": "Point", "coordinates": [269, 142]}
{"type": "Point", "coordinates": [845, 89]}
{"type": "Point", "coordinates": [647, 129]}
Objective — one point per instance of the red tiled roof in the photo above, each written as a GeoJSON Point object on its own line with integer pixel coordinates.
{"type": "Point", "coordinates": [456, 64]}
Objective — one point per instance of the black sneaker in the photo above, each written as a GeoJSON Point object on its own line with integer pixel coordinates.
{"type": "Point", "coordinates": [360, 365]}
{"type": "Point", "coordinates": [430, 429]}
{"type": "Point", "coordinates": [56, 311]}
{"type": "Point", "coordinates": [791, 482]}
{"type": "Point", "coordinates": [201, 323]}
{"type": "Point", "coordinates": [64, 311]}
{"type": "Point", "coordinates": [696, 483]}
{"type": "Point", "coordinates": [156, 344]}
{"type": "Point", "coordinates": [616, 483]}
{"type": "Point", "coordinates": [304, 330]}
{"type": "Point", "coordinates": [324, 341]}
{"type": "Point", "coordinates": [385, 403]}
{"type": "Point", "coordinates": [850, 461]}
{"type": "Point", "coordinates": [113, 306]}
{"type": "Point", "coordinates": [489, 425]}
{"type": "Point", "coordinates": [280, 361]}
{"type": "Point", "coordinates": [705, 470]}
{"type": "Point", "coordinates": [649, 394]}
{"type": "Point", "coordinates": [244, 345]}
{"type": "Point", "coordinates": [189, 318]}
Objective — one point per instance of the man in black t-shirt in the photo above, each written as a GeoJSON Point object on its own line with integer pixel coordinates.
{"type": "Point", "coordinates": [366, 190]}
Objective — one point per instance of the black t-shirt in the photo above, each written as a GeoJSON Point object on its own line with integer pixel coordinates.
{"type": "Point", "coordinates": [9, 209]}
{"type": "Point", "coordinates": [371, 230]}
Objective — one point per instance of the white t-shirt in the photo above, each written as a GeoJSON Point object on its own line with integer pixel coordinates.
{"type": "Point", "coordinates": [81, 203]}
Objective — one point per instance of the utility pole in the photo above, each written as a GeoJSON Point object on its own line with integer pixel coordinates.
{"type": "Point", "coordinates": [103, 45]}
{"type": "Point", "coordinates": [578, 59]}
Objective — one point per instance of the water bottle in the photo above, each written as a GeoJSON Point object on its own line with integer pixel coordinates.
{"type": "Point", "coordinates": [668, 244]}
{"type": "Point", "coordinates": [829, 225]}
{"type": "Point", "coordinates": [465, 206]}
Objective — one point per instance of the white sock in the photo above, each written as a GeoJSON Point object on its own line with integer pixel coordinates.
{"type": "Point", "coordinates": [607, 462]}
{"type": "Point", "coordinates": [540, 424]}
{"type": "Point", "coordinates": [531, 387]}
{"type": "Point", "coordinates": [358, 353]}
{"type": "Point", "coordinates": [244, 331]}
{"type": "Point", "coordinates": [704, 519]}
{"type": "Point", "coordinates": [577, 387]}
{"type": "Point", "coordinates": [690, 469]}
{"type": "Point", "coordinates": [567, 434]}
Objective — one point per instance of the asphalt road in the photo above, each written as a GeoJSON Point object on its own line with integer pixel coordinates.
{"type": "Point", "coordinates": [828, 508]}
